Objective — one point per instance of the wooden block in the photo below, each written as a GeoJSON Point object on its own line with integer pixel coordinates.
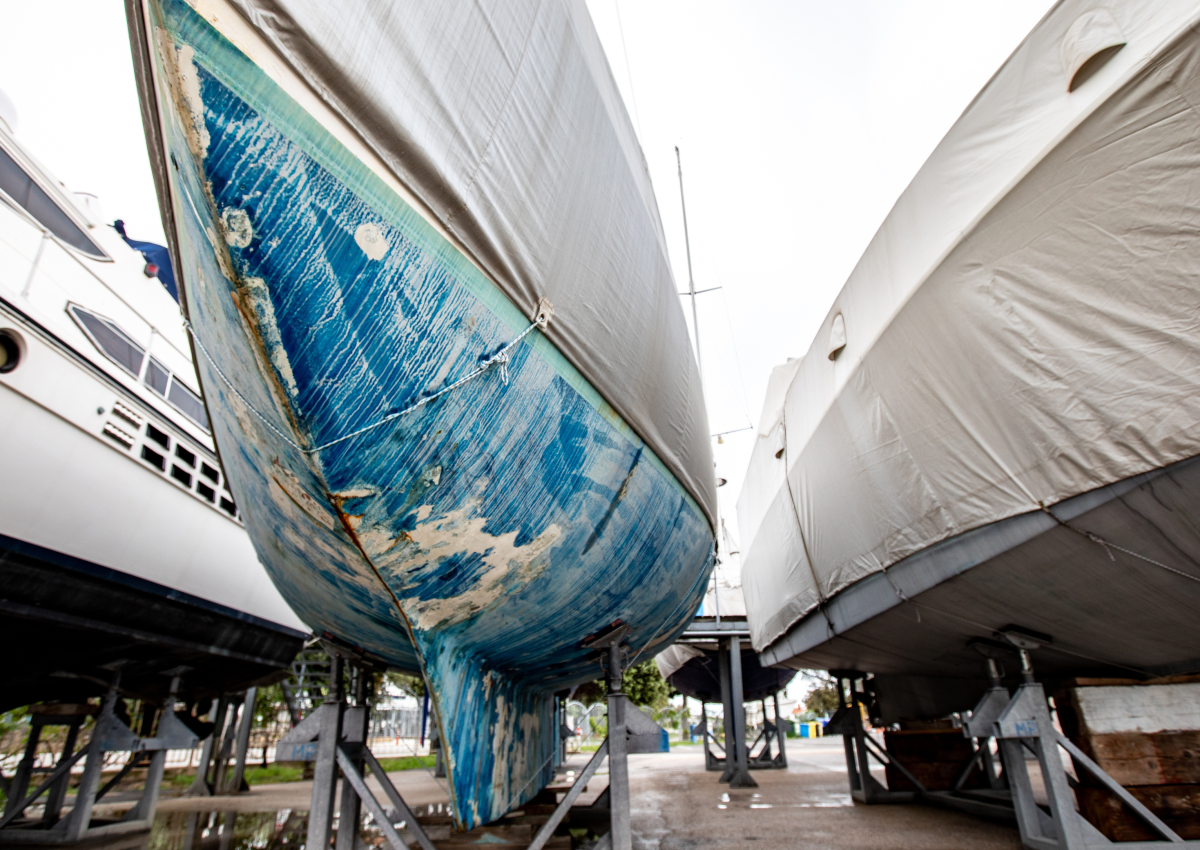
{"type": "Point", "coordinates": [919, 725]}
{"type": "Point", "coordinates": [1163, 758]}
{"type": "Point", "coordinates": [500, 836]}
{"type": "Point", "coordinates": [435, 820]}
{"type": "Point", "coordinates": [1145, 709]}
{"type": "Point", "coordinates": [1178, 806]}
{"type": "Point", "coordinates": [1085, 682]}
{"type": "Point", "coordinates": [438, 832]}
{"type": "Point", "coordinates": [933, 775]}
{"type": "Point", "coordinates": [929, 745]}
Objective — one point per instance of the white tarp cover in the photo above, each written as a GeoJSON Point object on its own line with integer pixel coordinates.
{"type": "Point", "coordinates": [674, 657]}
{"type": "Point", "coordinates": [504, 119]}
{"type": "Point", "coordinates": [1024, 327]}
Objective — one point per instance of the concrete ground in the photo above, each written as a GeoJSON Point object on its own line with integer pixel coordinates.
{"type": "Point", "coordinates": [677, 805]}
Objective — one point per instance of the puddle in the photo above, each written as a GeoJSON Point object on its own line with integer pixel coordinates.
{"type": "Point", "coordinates": [833, 801]}
{"type": "Point", "coordinates": [228, 830]}
{"type": "Point", "coordinates": [281, 830]}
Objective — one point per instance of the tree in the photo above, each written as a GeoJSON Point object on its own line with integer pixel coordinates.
{"type": "Point", "coordinates": [822, 700]}
{"type": "Point", "coordinates": [414, 684]}
{"type": "Point", "coordinates": [642, 683]}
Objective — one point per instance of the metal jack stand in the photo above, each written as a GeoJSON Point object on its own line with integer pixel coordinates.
{"type": "Point", "coordinates": [861, 748]}
{"type": "Point", "coordinates": [737, 771]}
{"type": "Point", "coordinates": [231, 730]}
{"type": "Point", "coordinates": [711, 760]}
{"type": "Point", "coordinates": [109, 735]}
{"type": "Point", "coordinates": [629, 731]}
{"type": "Point", "coordinates": [1024, 724]}
{"type": "Point", "coordinates": [334, 736]}
{"type": "Point", "coordinates": [770, 732]}
{"type": "Point", "coordinates": [764, 760]}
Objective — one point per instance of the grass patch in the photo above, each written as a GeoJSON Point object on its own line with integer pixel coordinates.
{"type": "Point", "coordinates": [179, 779]}
{"type": "Point", "coordinates": [273, 773]}
{"type": "Point", "coordinates": [255, 775]}
{"type": "Point", "coordinates": [291, 771]}
{"type": "Point", "coordinates": [407, 763]}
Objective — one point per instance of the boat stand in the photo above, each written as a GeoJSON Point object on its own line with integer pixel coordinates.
{"type": "Point", "coordinates": [764, 760]}
{"type": "Point", "coordinates": [334, 736]}
{"type": "Point", "coordinates": [860, 747]}
{"type": "Point", "coordinates": [1022, 724]}
{"type": "Point", "coordinates": [712, 761]}
{"type": "Point", "coordinates": [736, 769]}
{"type": "Point", "coordinates": [629, 731]}
{"type": "Point", "coordinates": [1019, 723]}
{"type": "Point", "coordinates": [110, 735]}
{"type": "Point", "coordinates": [231, 727]}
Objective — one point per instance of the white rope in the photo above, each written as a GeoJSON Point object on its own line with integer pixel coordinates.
{"type": "Point", "coordinates": [1108, 546]}
{"type": "Point", "coordinates": [500, 358]}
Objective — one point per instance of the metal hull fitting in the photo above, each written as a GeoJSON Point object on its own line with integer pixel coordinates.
{"type": "Point", "coordinates": [482, 536]}
{"type": "Point", "coordinates": [1010, 354]}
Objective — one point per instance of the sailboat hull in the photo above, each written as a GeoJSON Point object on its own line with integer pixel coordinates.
{"type": "Point", "coordinates": [479, 537]}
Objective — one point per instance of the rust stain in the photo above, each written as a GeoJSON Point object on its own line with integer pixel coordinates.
{"type": "Point", "coordinates": [261, 356]}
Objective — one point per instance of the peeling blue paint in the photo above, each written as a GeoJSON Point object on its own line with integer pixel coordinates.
{"type": "Point", "coordinates": [483, 536]}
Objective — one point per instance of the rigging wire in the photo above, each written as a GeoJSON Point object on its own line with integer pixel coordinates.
{"type": "Point", "coordinates": [628, 75]}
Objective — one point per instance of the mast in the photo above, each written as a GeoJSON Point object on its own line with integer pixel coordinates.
{"type": "Point", "coordinates": [691, 282]}
{"type": "Point", "coordinates": [699, 366]}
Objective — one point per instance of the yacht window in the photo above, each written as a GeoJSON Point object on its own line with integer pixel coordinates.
{"type": "Point", "coordinates": [110, 339]}
{"type": "Point", "coordinates": [188, 402]}
{"type": "Point", "coordinates": [22, 188]}
{"type": "Point", "coordinates": [152, 457]}
{"type": "Point", "coordinates": [127, 354]}
{"type": "Point", "coordinates": [181, 475]}
{"type": "Point", "coordinates": [209, 473]}
{"type": "Point", "coordinates": [184, 455]}
{"type": "Point", "coordinates": [157, 377]}
{"type": "Point", "coordinates": [158, 436]}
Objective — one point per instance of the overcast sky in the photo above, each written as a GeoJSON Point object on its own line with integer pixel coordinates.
{"type": "Point", "coordinates": [799, 122]}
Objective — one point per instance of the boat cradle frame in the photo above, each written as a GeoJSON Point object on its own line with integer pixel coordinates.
{"type": "Point", "coordinates": [110, 735]}
{"type": "Point", "coordinates": [1020, 723]}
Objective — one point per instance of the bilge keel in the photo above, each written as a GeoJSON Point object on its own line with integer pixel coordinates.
{"type": "Point", "coordinates": [439, 343]}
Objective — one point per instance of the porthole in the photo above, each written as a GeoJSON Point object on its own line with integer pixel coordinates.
{"type": "Point", "coordinates": [11, 350]}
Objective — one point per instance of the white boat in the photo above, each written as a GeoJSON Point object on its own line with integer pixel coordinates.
{"type": "Point", "coordinates": [998, 421]}
{"type": "Point", "coordinates": [120, 542]}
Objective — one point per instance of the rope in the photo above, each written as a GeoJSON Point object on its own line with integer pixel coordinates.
{"type": "Point", "coordinates": [900, 593]}
{"type": "Point", "coordinates": [500, 358]}
{"type": "Point", "coordinates": [822, 602]}
{"type": "Point", "coordinates": [1109, 546]}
